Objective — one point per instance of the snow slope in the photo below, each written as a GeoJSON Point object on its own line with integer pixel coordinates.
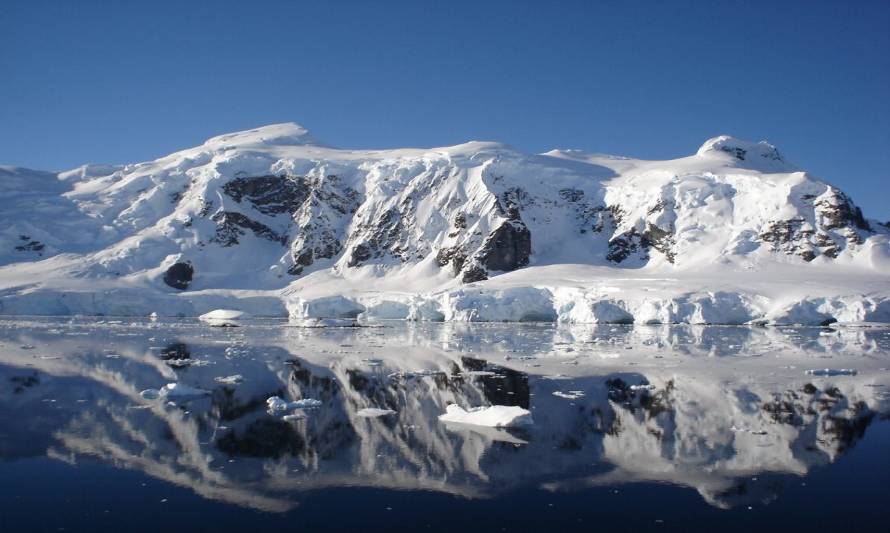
{"type": "Point", "coordinates": [272, 222]}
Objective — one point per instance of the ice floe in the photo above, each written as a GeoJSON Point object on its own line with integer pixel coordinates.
{"type": "Point", "coordinates": [374, 412]}
{"type": "Point", "coordinates": [494, 416]}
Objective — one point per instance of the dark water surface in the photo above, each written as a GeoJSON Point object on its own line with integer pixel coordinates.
{"type": "Point", "coordinates": [635, 428]}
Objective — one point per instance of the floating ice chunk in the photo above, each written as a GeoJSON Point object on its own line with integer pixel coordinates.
{"type": "Point", "coordinates": [570, 395]}
{"type": "Point", "coordinates": [173, 391]}
{"type": "Point", "coordinates": [746, 430]}
{"type": "Point", "coordinates": [229, 380]}
{"type": "Point", "coordinates": [495, 416]}
{"type": "Point", "coordinates": [150, 394]}
{"type": "Point", "coordinates": [180, 363]}
{"type": "Point", "coordinates": [328, 323]}
{"type": "Point", "coordinates": [293, 416]}
{"type": "Point", "coordinates": [181, 391]}
{"type": "Point", "coordinates": [307, 403]}
{"type": "Point", "coordinates": [278, 404]}
{"type": "Point", "coordinates": [224, 317]}
{"type": "Point", "coordinates": [374, 412]}
{"type": "Point", "coordinates": [831, 372]}
{"type": "Point", "coordinates": [644, 386]}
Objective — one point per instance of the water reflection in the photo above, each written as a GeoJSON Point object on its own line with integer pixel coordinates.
{"type": "Point", "coordinates": [727, 411]}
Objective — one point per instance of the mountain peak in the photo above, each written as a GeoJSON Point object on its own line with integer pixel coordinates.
{"type": "Point", "coordinates": [758, 153]}
{"type": "Point", "coordinates": [283, 134]}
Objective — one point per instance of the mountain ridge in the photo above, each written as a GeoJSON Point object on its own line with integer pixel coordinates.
{"type": "Point", "coordinates": [268, 208]}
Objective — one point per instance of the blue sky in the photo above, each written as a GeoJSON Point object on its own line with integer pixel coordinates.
{"type": "Point", "coordinates": [129, 81]}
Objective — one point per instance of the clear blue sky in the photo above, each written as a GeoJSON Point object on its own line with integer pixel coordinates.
{"type": "Point", "coordinates": [84, 81]}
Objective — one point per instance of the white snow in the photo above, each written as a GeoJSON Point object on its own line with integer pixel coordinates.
{"type": "Point", "coordinates": [495, 416]}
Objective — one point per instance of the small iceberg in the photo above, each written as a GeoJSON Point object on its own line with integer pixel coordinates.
{"type": "Point", "coordinates": [570, 395]}
{"type": "Point", "coordinates": [328, 323]}
{"type": "Point", "coordinates": [495, 416]}
{"type": "Point", "coordinates": [374, 412]}
{"type": "Point", "coordinates": [831, 372]}
{"type": "Point", "coordinates": [225, 318]}
{"type": "Point", "coordinates": [174, 391]}
{"type": "Point", "coordinates": [229, 380]}
{"type": "Point", "coordinates": [278, 404]}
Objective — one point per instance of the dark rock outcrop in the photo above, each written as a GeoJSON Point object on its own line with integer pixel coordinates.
{"type": "Point", "coordinates": [837, 224]}
{"type": "Point", "coordinates": [508, 247]}
{"type": "Point", "coordinates": [270, 195]}
{"type": "Point", "coordinates": [836, 210]}
{"type": "Point", "coordinates": [320, 222]}
{"type": "Point", "coordinates": [623, 246]}
{"type": "Point", "coordinates": [791, 236]}
{"type": "Point", "coordinates": [230, 225]}
{"type": "Point", "coordinates": [455, 256]}
{"type": "Point", "coordinates": [179, 275]}
{"type": "Point", "coordinates": [474, 273]}
{"type": "Point", "coordinates": [660, 239]}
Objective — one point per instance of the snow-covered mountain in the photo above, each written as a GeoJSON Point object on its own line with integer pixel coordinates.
{"type": "Point", "coordinates": [271, 218]}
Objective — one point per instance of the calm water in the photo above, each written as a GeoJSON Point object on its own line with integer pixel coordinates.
{"type": "Point", "coordinates": [635, 428]}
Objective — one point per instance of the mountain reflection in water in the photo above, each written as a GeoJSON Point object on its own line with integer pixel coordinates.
{"type": "Point", "coordinates": [709, 408]}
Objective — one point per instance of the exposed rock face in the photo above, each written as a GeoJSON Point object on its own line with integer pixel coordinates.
{"type": "Point", "coordinates": [320, 222]}
{"type": "Point", "coordinates": [835, 210]}
{"type": "Point", "coordinates": [659, 239]}
{"type": "Point", "coordinates": [390, 233]}
{"type": "Point", "coordinates": [231, 225]}
{"type": "Point", "coordinates": [632, 242]}
{"type": "Point", "coordinates": [508, 247]}
{"type": "Point", "coordinates": [179, 275]}
{"type": "Point", "coordinates": [454, 256]}
{"type": "Point", "coordinates": [791, 236]}
{"type": "Point", "coordinates": [474, 273]}
{"type": "Point", "coordinates": [836, 224]}
{"type": "Point", "coordinates": [269, 195]}
{"type": "Point", "coordinates": [624, 245]}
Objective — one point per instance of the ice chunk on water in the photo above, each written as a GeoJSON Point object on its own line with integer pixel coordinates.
{"type": "Point", "coordinates": [150, 394]}
{"type": "Point", "coordinates": [374, 412]}
{"type": "Point", "coordinates": [229, 380]}
{"type": "Point", "coordinates": [493, 416]}
{"type": "Point", "coordinates": [275, 403]}
{"type": "Point", "coordinates": [180, 390]}
{"type": "Point", "coordinates": [173, 391]}
{"type": "Point", "coordinates": [831, 372]}
{"type": "Point", "coordinates": [224, 317]}
{"type": "Point", "coordinates": [570, 395]}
